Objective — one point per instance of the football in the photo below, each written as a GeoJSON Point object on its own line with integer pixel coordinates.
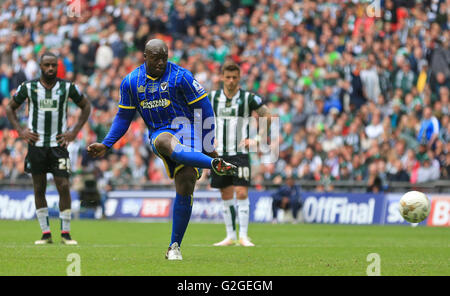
{"type": "Point", "coordinates": [414, 206]}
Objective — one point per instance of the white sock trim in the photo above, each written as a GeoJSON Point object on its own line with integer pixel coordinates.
{"type": "Point", "coordinates": [42, 210]}
{"type": "Point", "coordinates": [229, 202]}
{"type": "Point", "coordinates": [243, 202]}
{"type": "Point", "coordinates": [66, 214]}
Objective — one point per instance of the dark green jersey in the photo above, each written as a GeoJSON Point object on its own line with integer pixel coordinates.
{"type": "Point", "coordinates": [233, 119]}
{"type": "Point", "coordinates": [47, 114]}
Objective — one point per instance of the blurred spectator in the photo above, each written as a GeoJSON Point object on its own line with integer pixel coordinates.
{"type": "Point", "coordinates": [396, 113]}
{"type": "Point", "coordinates": [374, 181]}
{"type": "Point", "coordinates": [398, 174]}
{"type": "Point", "coordinates": [104, 55]}
{"type": "Point", "coordinates": [139, 170]}
{"type": "Point", "coordinates": [375, 128]}
{"type": "Point", "coordinates": [370, 80]}
{"type": "Point", "coordinates": [316, 120]}
{"type": "Point", "coordinates": [405, 78]}
{"type": "Point", "coordinates": [446, 168]}
{"type": "Point", "coordinates": [429, 169]}
{"type": "Point", "coordinates": [314, 162]}
{"type": "Point", "coordinates": [4, 122]}
{"type": "Point", "coordinates": [84, 61]}
{"type": "Point", "coordinates": [324, 179]}
{"type": "Point", "coordinates": [429, 128]}
{"type": "Point", "coordinates": [357, 95]}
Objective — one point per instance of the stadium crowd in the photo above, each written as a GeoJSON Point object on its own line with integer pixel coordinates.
{"type": "Point", "coordinates": [362, 95]}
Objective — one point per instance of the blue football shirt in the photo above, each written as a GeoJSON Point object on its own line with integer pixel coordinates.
{"type": "Point", "coordinates": [160, 101]}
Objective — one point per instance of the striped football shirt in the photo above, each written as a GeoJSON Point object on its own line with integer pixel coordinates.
{"type": "Point", "coordinates": [233, 119]}
{"type": "Point", "coordinates": [47, 108]}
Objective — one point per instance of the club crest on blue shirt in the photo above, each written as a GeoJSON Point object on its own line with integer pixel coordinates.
{"type": "Point", "coordinates": [164, 86]}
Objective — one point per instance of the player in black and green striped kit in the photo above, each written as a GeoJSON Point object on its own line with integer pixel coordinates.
{"type": "Point", "coordinates": [233, 109]}
{"type": "Point", "coordinates": [48, 137]}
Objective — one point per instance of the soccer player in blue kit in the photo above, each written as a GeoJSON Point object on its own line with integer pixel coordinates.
{"type": "Point", "coordinates": [172, 104]}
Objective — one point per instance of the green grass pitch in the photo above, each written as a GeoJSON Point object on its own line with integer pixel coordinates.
{"type": "Point", "coordinates": [134, 248]}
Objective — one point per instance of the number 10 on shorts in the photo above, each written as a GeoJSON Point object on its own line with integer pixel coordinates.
{"type": "Point", "coordinates": [244, 172]}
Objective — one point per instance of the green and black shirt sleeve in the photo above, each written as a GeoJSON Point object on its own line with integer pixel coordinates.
{"type": "Point", "coordinates": [22, 94]}
{"type": "Point", "coordinates": [254, 102]}
{"type": "Point", "coordinates": [75, 94]}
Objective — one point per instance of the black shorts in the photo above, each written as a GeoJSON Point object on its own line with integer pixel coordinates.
{"type": "Point", "coordinates": [42, 160]}
{"type": "Point", "coordinates": [243, 162]}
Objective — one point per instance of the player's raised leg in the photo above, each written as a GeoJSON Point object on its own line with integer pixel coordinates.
{"type": "Point", "coordinates": [168, 145]}
{"type": "Point", "coordinates": [39, 185]}
{"type": "Point", "coordinates": [243, 215]}
{"type": "Point", "coordinates": [229, 216]}
{"type": "Point", "coordinates": [182, 208]}
{"type": "Point", "coordinates": [63, 187]}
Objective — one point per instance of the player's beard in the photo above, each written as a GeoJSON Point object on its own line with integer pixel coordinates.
{"type": "Point", "coordinates": [48, 77]}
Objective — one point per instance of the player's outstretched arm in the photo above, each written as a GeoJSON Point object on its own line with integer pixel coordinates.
{"type": "Point", "coordinates": [119, 127]}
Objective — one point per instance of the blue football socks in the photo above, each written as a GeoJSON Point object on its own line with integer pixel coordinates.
{"type": "Point", "coordinates": [182, 210]}
{"type": "Point", "coordinates": [190, 157]}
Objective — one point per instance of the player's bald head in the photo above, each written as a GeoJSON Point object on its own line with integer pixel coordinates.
{"type": "Point", "coordinates": [155, 45]}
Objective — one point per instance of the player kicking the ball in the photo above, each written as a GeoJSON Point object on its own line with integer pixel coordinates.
{"type": "Point", "coordinates": [233, 107]}
{"type": "Point", "coordinates": [168, 98]}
